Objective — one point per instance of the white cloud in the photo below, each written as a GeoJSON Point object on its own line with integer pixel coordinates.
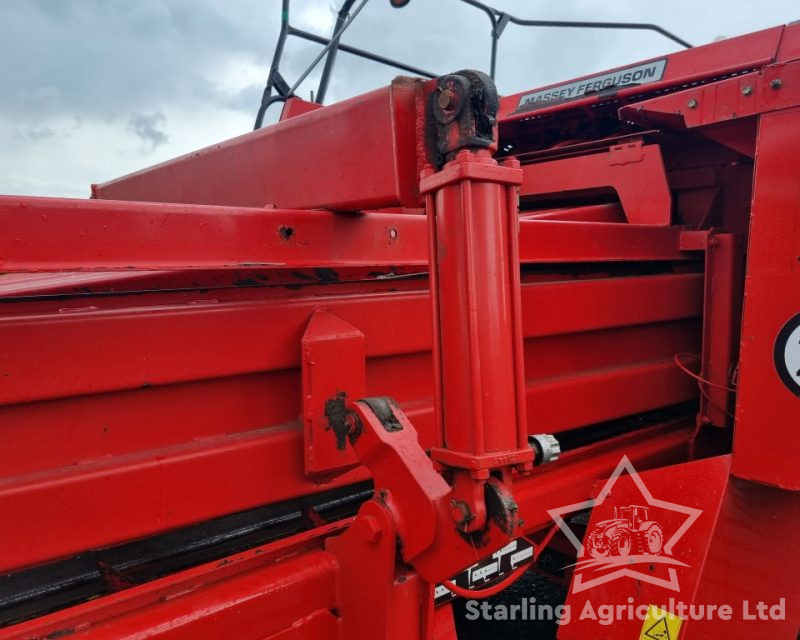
{"type": "Point", "coordinates": [317, 16]}
{"type": "Point", "coordinates": [234, 74]}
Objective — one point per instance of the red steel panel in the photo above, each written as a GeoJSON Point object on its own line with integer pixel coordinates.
{"type": "Point", "coordinates": [768, 89]}
{"type": "Point", "coordinates": [610, 340]}
{"type": "Point", "coordinates": [608, 393]}
{"type": "Point", "coordinates": [678, 484]}
{"type": "Point", "coordinates": [790, 43]}
{"type": "Point", "coordinates": [747, 508]}
{"type": "Point", "coordinates": [161, 344]}
{"type": "Point", "coordinates": [296, 107]}
{"type": "Point", "coordinates": [86, 428]}
{"type": "Point", "coordinates": [720, 556]}
{"type": "Point", "coordinates": [563, 241]}
{"type": "Point", "coordinates": [634, 171]}
{"type": "Point", "coordinates": [147, 491]}
{"type": "Point", "coordinates": [698, 63]}
{"type": "Point", "coordinates": [320, 625]}
{"type": "Point", "coordinates": [766, 438]}
{"type": "Point", "coordinates": [120, 498]}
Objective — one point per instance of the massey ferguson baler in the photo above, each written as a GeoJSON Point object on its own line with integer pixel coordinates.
{"type": "Point", "coordinates": [326, 379]}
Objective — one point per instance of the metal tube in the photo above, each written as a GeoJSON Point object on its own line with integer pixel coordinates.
{"type": "Point", "coordinates": [336, 35]}
{"type": "Point", "coordinates": [331, 59]}
{"type": "Point", "coordinates": [476, 304]}
{"type": "Point", "coordinates": [368, 55]}
{"type": "Point", "coordinates": [494, 14]}
{"type": "Point", "coordinates": [490, 12]}
{"type": "Point", "coordinates": [276, 60]}
{"type": "Point", "coordinates": [601, 25]}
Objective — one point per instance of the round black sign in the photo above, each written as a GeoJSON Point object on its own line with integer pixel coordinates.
{"type": "Point", "coordinates": [787, 354]}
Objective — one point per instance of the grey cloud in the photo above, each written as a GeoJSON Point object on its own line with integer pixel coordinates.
{"type": "Point", "coordinates": [89, 57]}
{"type": "Point", "coordinates": [96, 62]}
{"type": "Point", "coordinates": [146, 127]}
{"type": "Point", "coordinates": [37, 133]}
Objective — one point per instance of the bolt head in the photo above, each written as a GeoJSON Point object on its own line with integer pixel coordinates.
{"type": "Point", "coordinates": [692, 104]}
{"type": "Point", "coordinates": [446, 99]}
{"type": "Point", "coordinates": [369, 528]}
{"type": "Point", "coordinates": [776, 83]}
{"type": "Point", "coordinates": [747, 90]}
{"type": "Point", "coordinates": [460, 513]}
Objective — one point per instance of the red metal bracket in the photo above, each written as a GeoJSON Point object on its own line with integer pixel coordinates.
{"type": "Point", "coordinates": [721, 320]}
{"type": "Point", "coordinates": [333, 365]}
{"type": "Point", "coordinates": [771, 88]}
{"type": "Point", "coordinates": [295, 106]}
{"type": "Point", "coordinates": [634, 171]}
{"type": "Point", "coordinates": [419, 499]}
{"type": "Point", "coordinates": [378, 596]}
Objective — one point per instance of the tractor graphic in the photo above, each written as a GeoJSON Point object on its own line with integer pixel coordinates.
{"type": "Point", "coordinates": [629, 532]}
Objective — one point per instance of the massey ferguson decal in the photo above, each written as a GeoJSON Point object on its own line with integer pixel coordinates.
{"type": "Point", "coordinates": [639, 74]}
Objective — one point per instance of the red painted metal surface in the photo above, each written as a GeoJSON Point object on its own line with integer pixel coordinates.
{"type": "Point", "coordinates": [208, 382]}
{"type": "Point", "coordinates": [334, 370]}
{"type": "Point", "coordinates": [296, 107]}
{"type": "Point", "coordinates": [178, 362]}
{"type": "Point", "coordinates": [719, 556]}
{"type": "Point", "coordinates": [81, 235]}
{"type": "Point", "coordinates": [722, 319]}
{"type": "Point", "coordinates": [767, 406]}
{"type": "Point", "coordinates": [564, 482]}
{"type": "Point", "coordinates": [635, 173]}
{"type": "Point", "coordinates": [196, 603]}
{"type": "Point", "coordinates": [54, 234]}
{"type": "Point", "coordinates": [771, 88]}
{"type": "Point", "coordinates": [697, 64]}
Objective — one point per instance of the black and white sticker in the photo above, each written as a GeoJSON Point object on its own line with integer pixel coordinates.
{"type": "Point", "coordinates": [489, 570]}
{"type": "Point", "coordinates": [629, 76]}
{"type": "Point", "coordinates": [787, 354]}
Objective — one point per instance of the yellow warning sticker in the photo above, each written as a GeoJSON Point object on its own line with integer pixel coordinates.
{"type": "Point", "coordinates": [660, 625]}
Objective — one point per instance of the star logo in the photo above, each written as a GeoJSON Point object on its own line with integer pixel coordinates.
{"type": "Point", "coordinates": [632, 537]}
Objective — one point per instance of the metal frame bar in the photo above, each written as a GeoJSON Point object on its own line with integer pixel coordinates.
{"type": "Point", "coordinates": [55, 234]}
{"type": "Point", "coordinates": [367, 55]}
{"type": "Point", "coordinates": [500, 20]}
{"type": "Point", "coordinates": [332, 46]}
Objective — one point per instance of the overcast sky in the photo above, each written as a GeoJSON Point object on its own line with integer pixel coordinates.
{"type": "Point", "coordinates": [94, 89]}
